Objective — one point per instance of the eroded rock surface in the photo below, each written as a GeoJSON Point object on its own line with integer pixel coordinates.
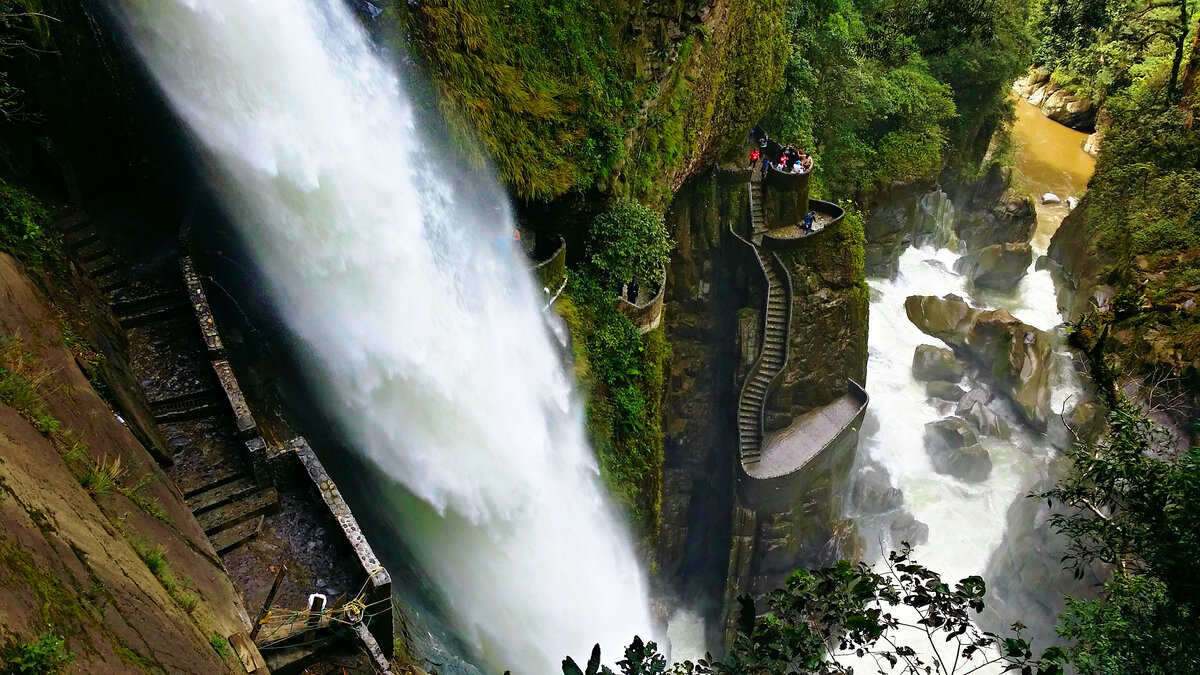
{"type": "Point", "coordinates": [955, 450]}
{"type": "Point", "coordinates": [1017, 356]}
{"type": "Point", "coordinates": [998, 267]}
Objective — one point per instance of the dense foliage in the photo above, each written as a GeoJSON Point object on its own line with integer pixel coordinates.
{"type": "Point", "coordinates": [621, 372]}
{"type": "Point", "coordinates": [889, 92]}
{"type": "Point", "coordinates": [1133, 504]}
{"type": "Point", "coordinates": [629, 242]}
{"type": "Point", "coordinates": [573, 94]}
{"type": "Point", "coordinates": [903, 620]}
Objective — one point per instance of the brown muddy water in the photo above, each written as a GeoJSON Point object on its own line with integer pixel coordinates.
{"type": "Point", "coordinates": [1050, 159]}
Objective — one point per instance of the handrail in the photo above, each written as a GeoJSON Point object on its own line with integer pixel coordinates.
{"type": "Point", "coordinates": [828, 208]}
{"type": "Point", "coordinates": [757, 366]}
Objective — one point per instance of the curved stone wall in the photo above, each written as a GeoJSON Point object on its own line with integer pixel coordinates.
{"type": "Point", "coordinates": [551, 273]}
{"type": "Point", "coordinates": [784, 198]}
{"type": "Point", "coordinates": [646, 316]}
{"type": "Point", "coordinates": [773, 239]}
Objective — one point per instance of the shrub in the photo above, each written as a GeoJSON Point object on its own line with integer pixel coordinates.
{"type": "Point", "coordinates": [629, 242]}
{"type": "Point", "coordinates": [219, 644]}
{"type": "Point", "coordinates": [45, 656]}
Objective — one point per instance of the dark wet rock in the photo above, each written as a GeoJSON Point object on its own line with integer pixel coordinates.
{"type": "Point", "coordinates": [973, 408]}
{"type": "Point", "coordinates": [947, 391]}
{"type": "Point", "coordinates": [905, 527]}
{"type": "Point", "coordinates": [873, 492]}
{"type": "Point", "coordinates": [955, 450]}
{"type": "Point", "coordinates": [998, 267]}
{"type": "Point", "coordinates": [990, 211]}
{"type": "Point", "coordinates": [935, 363]}
{"type": "Point", "coordinates": [1018, 356]}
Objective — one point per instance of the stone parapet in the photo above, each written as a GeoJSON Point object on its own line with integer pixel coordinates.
{"type": "Point", "coordinates": [199, 302]}
{"type": "Point", "coordinates": [378, 583]}
{"type": "Point", "coordinates": [646, 316]}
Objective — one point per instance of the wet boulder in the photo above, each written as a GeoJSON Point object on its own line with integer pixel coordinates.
{"type": "Point", "coordinates": [955, 450]}
{"type": "Point", "coordinates": [998, 267]}
{"type": "Point", "coordinates": [947, 391]}
{"type": "Point", "coordinates": [973, 408]}
{"type": "Point", "coordinates": [1017, 356]}
{"type": "Point", "coordinates": [873, 492]}
{"type": "Point", "coordinates": [949, 318]}
{"type": "Point", "coordinates": [932, 363]}
{"type": "Point", "coordinates": [1051, 198]}
{"type": "Point", "coordinates": [905, 527]}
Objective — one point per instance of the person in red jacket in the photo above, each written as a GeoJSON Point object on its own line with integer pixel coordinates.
{"type": "Point", "coordinates": [754, 155]}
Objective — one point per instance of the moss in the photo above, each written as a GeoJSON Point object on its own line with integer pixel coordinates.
{"type": "Point", "coordinates": [25, 231]}
{"type": "Point", "coordinates": [56, 605]}
{"type": "Point", "coordinates": [621, 374]}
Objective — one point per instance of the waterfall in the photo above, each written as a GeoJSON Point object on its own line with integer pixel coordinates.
{"type": "Point", "coordinates": [422, 331]}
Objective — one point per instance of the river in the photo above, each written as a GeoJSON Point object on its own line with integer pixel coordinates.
{"type": "Point", "coordinates": [967, 522]}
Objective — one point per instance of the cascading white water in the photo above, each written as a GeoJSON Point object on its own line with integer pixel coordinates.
{"type": "Point", "coordinates": [423, 330]}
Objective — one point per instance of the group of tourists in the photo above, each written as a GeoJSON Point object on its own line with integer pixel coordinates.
{"type": "Point", "coordinates": [770, 155]}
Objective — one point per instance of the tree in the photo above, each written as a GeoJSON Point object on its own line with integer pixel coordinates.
{"type": "Point", "coordinates": [822, 618]}
{"type": "Point", "coordinates": [629, 242]}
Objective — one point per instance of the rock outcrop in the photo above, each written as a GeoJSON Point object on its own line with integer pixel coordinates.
{"type": "Point", "coordinates": [1056, 102]}
{"type": "Point", "coordinates": [873, 493]}
{"type": "Point", "coordinates": [947, 391]}
{"type": "Point", "coordinates": [91, 526]}
{"type": "Point", "coordinates": [910, 215]}
{"type": "Point", "coordinates": [991, 211]}
{"type": "Point", "coordinates": [932, 363]}
{"type": "Point", "coordinates": [973, 408]}
{"type": "Point", "coordinates": [998, 267]}
{"type": "Point", "coordinates": [955, 450]}
{"type": "Point", "coordinates": [1017, 357]}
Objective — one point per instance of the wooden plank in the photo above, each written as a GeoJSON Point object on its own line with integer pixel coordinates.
{"type": "Point", "coordinates": [246, 650]}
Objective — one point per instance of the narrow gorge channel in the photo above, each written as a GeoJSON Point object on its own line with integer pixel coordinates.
{"type": "Point", "coordinates": [960, 528]}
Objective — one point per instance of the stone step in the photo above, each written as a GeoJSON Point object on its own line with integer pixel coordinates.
{"type": "Point", "coordinates": [261, 503]}
{"type": "Point", "coordinates": [154, 308]}
{"type": "Point", "coordinates": [227, 540]}
{"type": "Point", "coordinates": [91, 251]}
{"type": "Point", "coordinates": [209, 478]}
{"type": "Point", "coordinates": [105, 264]}
{"type": "Point", "coordinates": [111, 281]}
{"type": "Point", "coordinates": [72, 222]}
{"type": "Point", "coordinates": [221, 495]}
{"type": "Point", "coordinates": [188, 406]}
{"type": "Point", "coordinates": [77, 240]}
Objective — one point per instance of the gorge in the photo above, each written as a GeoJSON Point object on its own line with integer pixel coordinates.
{"type": "Point", "coordinates": [457, 337]}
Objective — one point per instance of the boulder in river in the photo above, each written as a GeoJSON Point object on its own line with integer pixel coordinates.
{"type": "Point", "coordinates": [955, 450]}
{"type": "Point", "coordinates": [1050, 198]}
{"type": "Point", "coordinates": [935, 363]}
{"type": "Point", "coordinates": [873, 492]}
{"type": "Point", "coordinates": [947, 391]}
{"type": "Point", "coordinates": [905, 527]}
{"type": "Point", "coordinates": [1018, 356]}
{"type": "Point", "coordinates": [998, 267]}
{"type": "Point", "coordinates": [1072, 202]}
{"type": "Point", "coordinates": [974, 409]}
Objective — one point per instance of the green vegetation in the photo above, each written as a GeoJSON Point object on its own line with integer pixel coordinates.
{"type": "Point", "coordinates": [822, 619]}
{"type": "Point", "coordinates": [566, 95]}
{"type": "Point", "coordinates": [156, 562]}
{"type": "Point", "coordinates": [220, 645]}
{"type": "Point", "coordinates": [622, 375]}
{"type": "Point", "coordinates": [629, 242]}
{"type": "Point", "coordinates": [46, 656]}
{"type": "Point", "coordinates": [880, 93]}
{"type": "Point", "coordinates": [25, 228]}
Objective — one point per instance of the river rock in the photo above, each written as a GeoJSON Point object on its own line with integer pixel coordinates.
{"type": "Point", "coordinates": [947, 391]}
{"type": "Point", "coordinates": [973, 408]}
{"type": "Point", "coordinates": [935, 363]}
{"type": "Point", "coordinates": [955, 450]}
{"type": "Point", "coordinates": [873, 492]}
{"type": "Point", "coordinates": [905, 527]}
{"type": "Point", "coordinates": [1072, 202]}
{"type": "Point", "coordinates": [1016, 355]}
{"type": "Point", "coordinates": [998, 267]}
{"type": "Point", "coordinates": [1050, 198]}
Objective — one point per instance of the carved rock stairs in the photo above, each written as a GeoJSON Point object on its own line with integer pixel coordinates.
{"type": "Point", "coordinates": [773, 357]}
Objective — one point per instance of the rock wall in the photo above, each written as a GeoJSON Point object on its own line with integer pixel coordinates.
{"type": "Point", "coordinates": [967, 216]}
{"type": "Point", "coordinates": [1055, 101]}
{"type": "Point", "coordinates": [78, 561]}
{"type": "Point", "coordinates": [708, 282]}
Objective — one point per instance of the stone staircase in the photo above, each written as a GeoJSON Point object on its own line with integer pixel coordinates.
{"type": "Point", "coordinates": [773, 357]}
{"type": "Point", "coordinates": [757, 218]}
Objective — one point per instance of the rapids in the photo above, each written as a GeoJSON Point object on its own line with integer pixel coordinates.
{"type": "Point", "coordinates": [422, 330]}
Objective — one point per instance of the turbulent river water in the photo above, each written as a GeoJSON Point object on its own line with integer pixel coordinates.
{"type": "Point", "coordinates": [966, 522]}
{"type": "Point", "coordinates": [423, 332]}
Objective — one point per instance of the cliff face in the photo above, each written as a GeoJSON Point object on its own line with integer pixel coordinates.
{"type": "Point", "coordinates": [714, 547]}
{"type": "Point", "coordinates": [97, 545]}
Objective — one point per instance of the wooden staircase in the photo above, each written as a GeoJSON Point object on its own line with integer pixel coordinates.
{"type": "Point", "coordinates": [773, 357]}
